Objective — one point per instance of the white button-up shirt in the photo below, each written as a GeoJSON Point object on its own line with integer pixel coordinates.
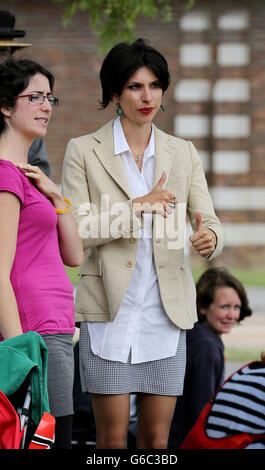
{"type": "Point", "coordinates": [141, 325]}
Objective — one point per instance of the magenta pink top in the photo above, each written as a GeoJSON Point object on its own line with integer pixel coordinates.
{"type": "Point", "coordinates": [42, 288]}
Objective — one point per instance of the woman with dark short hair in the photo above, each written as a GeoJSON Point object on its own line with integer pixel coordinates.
{"type": "Point", "coordinates": [37, 236]}
{"type": "Point", "coordinates": [221, 304]}
{"type": "Point", "coordinates": [131, 186]}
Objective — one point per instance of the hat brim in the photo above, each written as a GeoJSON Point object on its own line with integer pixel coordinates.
{"type": "Point", "coordinates": [9, 34]}
{"type": "Point", "coordinates": [11, 43]}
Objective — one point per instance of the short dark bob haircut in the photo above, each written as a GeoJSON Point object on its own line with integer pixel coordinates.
{"type": "Point", "coordinates": [15, 76]}
{"type": "Point", "coordinates": [123, 60]}
{"type": "Point", "coordinates": [211, 280]}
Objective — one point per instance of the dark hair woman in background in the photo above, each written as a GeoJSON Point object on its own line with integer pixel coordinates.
{"type": "Point", "coordinates": [221, 303]}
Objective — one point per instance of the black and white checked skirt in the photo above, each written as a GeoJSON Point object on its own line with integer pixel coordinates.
{"type": "Point", "coordinates": [159, 377]}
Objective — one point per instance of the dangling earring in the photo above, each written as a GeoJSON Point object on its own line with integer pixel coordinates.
{"type": "Point", "coordinates": [162, 107]}
{"type": "Point", "coordinates": [119, 111]}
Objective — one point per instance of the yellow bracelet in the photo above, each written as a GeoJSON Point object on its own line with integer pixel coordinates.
{"type": "Point", "coordinates": [64, 211]}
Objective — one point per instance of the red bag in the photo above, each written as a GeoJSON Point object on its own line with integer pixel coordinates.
{"type": "Point", "coordinates": [10, 435]}
{"type": "Point", "coordinates": [44, 434]}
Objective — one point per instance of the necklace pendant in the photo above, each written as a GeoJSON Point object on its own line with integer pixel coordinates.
{"type": "Point", "coordinates": [138, 159]}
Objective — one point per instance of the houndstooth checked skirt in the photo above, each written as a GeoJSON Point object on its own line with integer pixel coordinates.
{"type": "Point", "coordinates": [159, 377]}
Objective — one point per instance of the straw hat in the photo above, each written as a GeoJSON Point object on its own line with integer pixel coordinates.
{"type": "Point", "coordinates": [7, 31]}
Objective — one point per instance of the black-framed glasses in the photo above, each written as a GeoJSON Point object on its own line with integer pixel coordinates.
{"type": "Point", "coordinates": [38, 98]}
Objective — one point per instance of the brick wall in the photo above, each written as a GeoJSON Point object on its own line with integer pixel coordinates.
{"type": "Point", "coordinates": [70, 54]}
{"type": "Point", "coordinates": [232, 124]}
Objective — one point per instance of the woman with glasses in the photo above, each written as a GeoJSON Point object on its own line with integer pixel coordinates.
{"type": "Point", "coordinates": [131, 186]}
{"type": "Point", "coordinates": [37, 235]}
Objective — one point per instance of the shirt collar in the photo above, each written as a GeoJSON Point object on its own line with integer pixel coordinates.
{"type": "Point", "coordinates": [120, 142]}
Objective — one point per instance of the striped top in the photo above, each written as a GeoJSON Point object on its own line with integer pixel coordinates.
{"type": "Point", "coordinates": [239, 406]}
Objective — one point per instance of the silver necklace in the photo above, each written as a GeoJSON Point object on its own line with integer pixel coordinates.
{"type": "Point", "coordinates": [138, 155]}
{"type": "Point", "coordinates": [138, 158]}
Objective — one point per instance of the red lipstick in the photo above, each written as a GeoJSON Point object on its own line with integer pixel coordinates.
{"type": "Point", "coordinates": [146, 110]}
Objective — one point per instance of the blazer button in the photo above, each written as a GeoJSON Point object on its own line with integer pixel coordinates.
{"type": "Point", "coordinates": [129, 264]}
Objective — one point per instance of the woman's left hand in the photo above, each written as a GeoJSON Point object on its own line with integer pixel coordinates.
{"type": "Point", "coordinates": [43, 183]}
{"type": "Point", "coordinates": [203, 239]}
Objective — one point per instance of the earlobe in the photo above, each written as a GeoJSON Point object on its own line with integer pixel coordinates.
{"type": "Point", "coordinates": [6, 111]}
{"type": "Point", "coordinates": [203, 311]}
{"type": "Point", "coordinates": [115, 99]}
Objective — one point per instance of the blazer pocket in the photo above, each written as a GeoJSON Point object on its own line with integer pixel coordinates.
{"type": "Point", "coordinates": [91, 296]}
{"type": "Point", "coordinates": [189, 291]}
{"type": "Point", "coordinates": [92, 268]}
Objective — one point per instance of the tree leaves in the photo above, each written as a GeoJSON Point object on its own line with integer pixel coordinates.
{"type": "Point", "coordinates": [114, 21]}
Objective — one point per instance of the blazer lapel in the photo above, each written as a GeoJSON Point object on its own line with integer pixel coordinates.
{"type": "Point", "coordinates": [164, 154]}
{"type": "Point", "coordinates": [112, 163]}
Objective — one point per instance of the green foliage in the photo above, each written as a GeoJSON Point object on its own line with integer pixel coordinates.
{"type": "Point", "coordinates": [242, 355]}
{"type": "Point", "coordinates": [248, 277]}
{"type": "Point", "coordinates": [114, 21]}
{"type": "Point", "coordinates": [73, 274]}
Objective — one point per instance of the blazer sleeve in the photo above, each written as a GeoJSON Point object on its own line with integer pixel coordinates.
{"type": "Point", "coordinates": [91, 222]}
{"type": "Point", "coordinates": [199, 200]}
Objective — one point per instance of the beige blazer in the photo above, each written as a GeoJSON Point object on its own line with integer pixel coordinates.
{"type": "Point", "coordinates": [95, 182]}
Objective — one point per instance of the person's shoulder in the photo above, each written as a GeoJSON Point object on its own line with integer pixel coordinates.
{"type": "Point", "coordinates": [204, 345]}
{"type": "Point", "coordinates": [201, 333]}
{"type": "Point", "coordinates": [89, 140]}
{"type": "Point", "coordinates": [12, 179]}
{"type": "Point", "coordinates": [7, 168]}
{"type": "Point", "coordinates": [171, 139]}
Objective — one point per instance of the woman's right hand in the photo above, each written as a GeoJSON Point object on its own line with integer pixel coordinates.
{"type": "Point", "coordinates": [43, 182]}
{"type": "Point", "coordinates": [155, 202]}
